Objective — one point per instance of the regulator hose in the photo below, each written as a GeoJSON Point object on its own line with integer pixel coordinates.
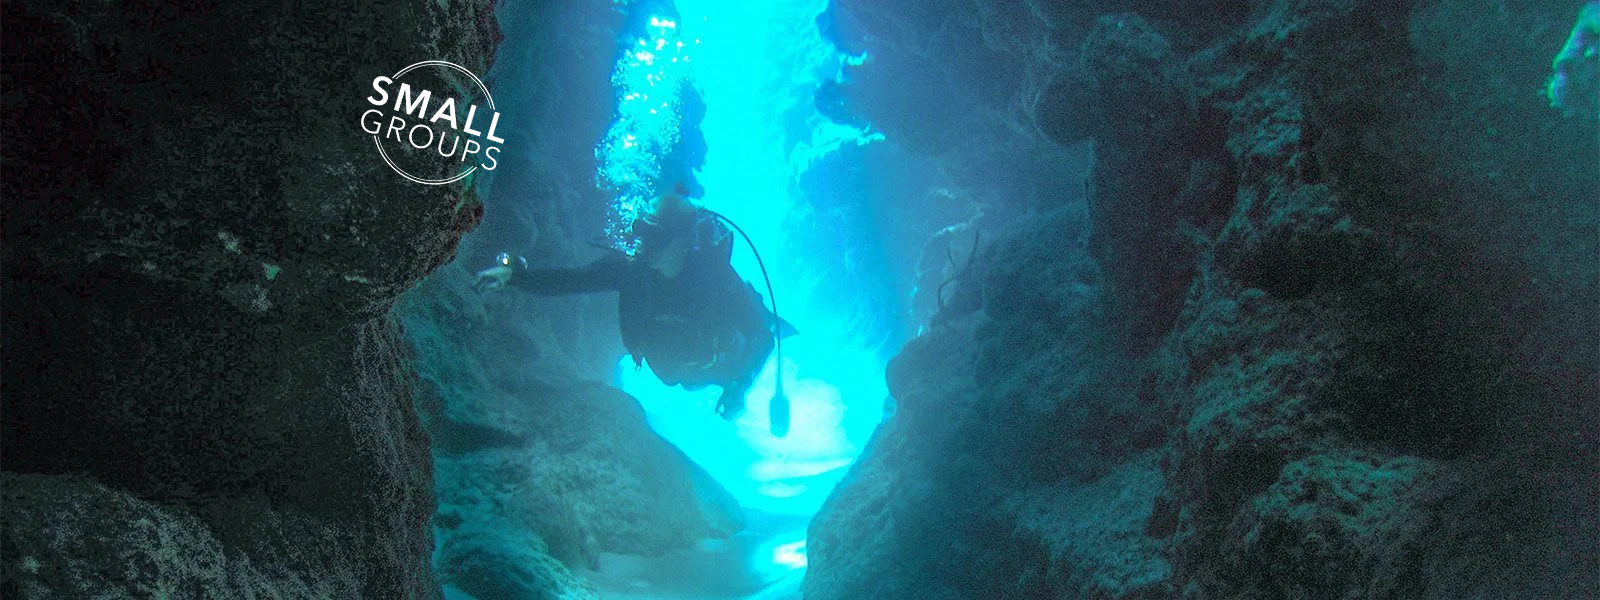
{"type": "Point", "coordinates": [778, 408]}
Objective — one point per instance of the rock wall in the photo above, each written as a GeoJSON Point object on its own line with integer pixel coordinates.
{"type": "Point", "coordinates": [1327, 328]}
{"type": "Point", "coordinates": [204, 398]}
{"type": "Point", "coordinates": [538, 470]}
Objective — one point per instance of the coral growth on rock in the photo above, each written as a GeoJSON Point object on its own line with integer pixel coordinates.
{"type": "Point", "coordinates": [537, 471]}
{"type": "Point", "coordinates": [203, 397]}
{"type": "Point", "coordinates": [1331, 332]}
{"type": "Point", "coordinates": [539, 468]}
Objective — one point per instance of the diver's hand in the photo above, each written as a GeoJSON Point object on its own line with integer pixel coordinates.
{"type": "Point", "coordinates": [493, 278]}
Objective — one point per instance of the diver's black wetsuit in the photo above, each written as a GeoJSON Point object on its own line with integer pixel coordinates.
{"type": "Point", "coordinates": [701, 326]}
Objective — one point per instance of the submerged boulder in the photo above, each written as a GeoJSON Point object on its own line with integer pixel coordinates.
{"type": "Point", "coordinates": [1332, 335]}
{"type": "Point", "coordinates": [68, 537]}
{"type": "Point", "coordinates": [539, 472]}
{"type": "Point", "coordinates": [997, 487]}
{"type": "Point", "coordinates": [500, 563]}
{"type": "Point", "coordinates": [200, 246]}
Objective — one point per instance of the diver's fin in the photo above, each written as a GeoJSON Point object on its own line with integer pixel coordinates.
{"type": "Point", "coordinates": [785, 330]}
{"type": "Point", "coordinates": [731, 404]}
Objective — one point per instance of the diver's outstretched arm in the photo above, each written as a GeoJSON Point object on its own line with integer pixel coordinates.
{"type": "Point", "coordinates": [606, 274]}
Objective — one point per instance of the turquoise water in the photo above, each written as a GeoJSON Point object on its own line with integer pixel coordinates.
{"type": "Point", "coordinates": [757, 67]}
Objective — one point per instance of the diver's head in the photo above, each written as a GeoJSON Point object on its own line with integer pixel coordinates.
{"type": "Point", "coordinates": [672, 209]}
{"type": "Point", "coordinates": [670, 205]}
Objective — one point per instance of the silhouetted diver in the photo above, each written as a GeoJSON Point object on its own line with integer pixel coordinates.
{"type": "Point", "coordinates": [681, 307]}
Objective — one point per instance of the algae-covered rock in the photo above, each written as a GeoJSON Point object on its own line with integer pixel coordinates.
{"type": "Point", "coordinates": [601, 482]}
{"type": "Point", "coordinates": [1336, 336]}
{"type": "Point", "coordinates": [892, 504]}
{"type": "Point", "coordinates": [997, 486]}
{"type": "Point", "coordinates": [506, 563]}
{"type": "Point", "coordinates": [200, 246]}
{"type": "Point", "coordinates": [69, 537]}
{"type": "Point", "coordinates": [537, 471]}
{"type": "Point", "coordinates": [1330, 526]}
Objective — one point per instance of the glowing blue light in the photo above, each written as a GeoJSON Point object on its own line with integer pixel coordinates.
{"type": "Point", "coordinates": [792, 555]}
{"type": "Point", "coordinates": [757, 66]}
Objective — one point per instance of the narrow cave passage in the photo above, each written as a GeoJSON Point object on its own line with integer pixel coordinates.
{"type": "Point", "coordinates": [1133, 300]}
{"type": "Point", "coordinates": [561, 462]}
{"type": "Point", "coordinates": [772, 164]}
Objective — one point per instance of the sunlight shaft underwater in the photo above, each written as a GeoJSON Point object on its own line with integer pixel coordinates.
{"type": "Point", "coordinates": [756, 66]}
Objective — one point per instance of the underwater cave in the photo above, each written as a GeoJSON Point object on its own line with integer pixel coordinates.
{"type": "Point", "coordinates": [820, 299]}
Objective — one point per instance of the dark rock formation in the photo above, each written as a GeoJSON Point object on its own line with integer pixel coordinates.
{"type": "Point", "coordinates": [538, 471]}
{"type": "Point", "coordinates": [73, 538]}
{"type": "Point", "coordinates": [1332, 334]}
{"type": "Point", "coordinates": [201, 246]}
{"type": "Point", "coordinates": [492, 561]}
{"type": "Point", "coordinates": [957, 91]}
{"type": "Point", "coordinates": [988, 471]}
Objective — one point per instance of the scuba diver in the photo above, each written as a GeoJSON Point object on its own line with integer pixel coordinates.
{"type": "Point", "coordinates": [680, 305]}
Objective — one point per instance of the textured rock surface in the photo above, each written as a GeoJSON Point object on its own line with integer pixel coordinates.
{"type": "Point", "coordinates": [538, 472]}
{"type": "Point", "coordinates": [491, 561]}
{"type": "Point", "coordinates": [68, 537]}
{"type": "Point", "coordinates": [1331, 332]}
{"type": "Point", "coordinates": [200, 250]}
{"type": "Point", "coordinates": [986, 472]}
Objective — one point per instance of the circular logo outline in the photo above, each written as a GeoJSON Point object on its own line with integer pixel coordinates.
{"type": "Point", "coordinates": [379, 143]}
